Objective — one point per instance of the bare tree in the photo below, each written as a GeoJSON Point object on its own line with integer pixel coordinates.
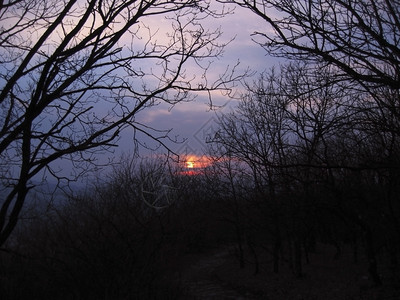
{"type": "Point", "coordinates": [282, 129]}
{"type": "Point", "coordinates": [228, 181]}
{"type": "Point", "coordinates": [358, 40]}
{"type": "Point", "coordinates": [74, 74]}
{"type": "Point", "coordinates": [355, 38]}
{"type": "Point", "coordinates": [257, 134]}
{"type": "Point", "coordinates": [358, 37]}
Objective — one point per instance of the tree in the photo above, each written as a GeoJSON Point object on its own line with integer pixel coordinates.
{"type": "Point", "coordinates": [105, 242]}
{"type": "Point", "coordinates": [75, 74]}
{"type": "Point", "coordinates": [285, 129]}
{"type": "Point", "coordinates": [257, 135]}
{"type": "Point", "coordinates": [358, 37]}
{"type": "Point", "coordinates": [229, 182]}
{"type": "Point", "coordinates": [358, 40]}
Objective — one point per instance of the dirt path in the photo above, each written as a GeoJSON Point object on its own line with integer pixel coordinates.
{"type": "Point", "coordinates": [216, 275]}
{"type": "Point", "coordinates": [200, 280]}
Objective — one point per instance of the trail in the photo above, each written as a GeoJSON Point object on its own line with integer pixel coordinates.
{"type": "Point", "coordinates": [200, 281]}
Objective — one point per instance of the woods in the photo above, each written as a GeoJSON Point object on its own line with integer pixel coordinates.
{"type": "Point", "coordinates": [76, 75]}
{"type": "Point", "coordinates": [309, 157]}
{"type": "Point", "coordinates": [306, 164]}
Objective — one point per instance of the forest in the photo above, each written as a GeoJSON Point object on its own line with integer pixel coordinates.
{"type": "Point", "coordinates": [296, 195]}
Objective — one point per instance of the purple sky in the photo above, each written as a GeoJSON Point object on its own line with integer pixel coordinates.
{"type": "Point", "coordinates": [193, 121]}
{"type": "Point", "coordinates": [190, 122]}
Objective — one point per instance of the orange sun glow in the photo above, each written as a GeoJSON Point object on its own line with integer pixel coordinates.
{"type": "Point", "coordinates": [190, 164]}
{"type": "Point", "coordinates": [194, 164]}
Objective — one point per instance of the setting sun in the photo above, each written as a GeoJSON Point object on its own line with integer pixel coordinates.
{"type": "Point", "coordinates": [190, 164]}
{"type": "Point", "coordinates": [193, 164]}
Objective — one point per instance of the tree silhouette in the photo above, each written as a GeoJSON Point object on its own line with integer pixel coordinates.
{"type": "Point", "coordinates": [360, 38]}
{"type": "Point", "coordinates": [74, 74]}
{"type": "Point", "coordinates": [352, 144]}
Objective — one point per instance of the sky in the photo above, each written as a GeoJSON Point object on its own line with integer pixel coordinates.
{"type": "Point", "coordinates": [192, 122]}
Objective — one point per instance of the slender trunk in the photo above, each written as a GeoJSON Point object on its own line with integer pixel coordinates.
{"type": "Point", "coordinates": [19, 192]}
{"type": "Point", "coordinates": [297, 258]}
{"type": "Point", "coordinates": [338, 250]}
{"type": "Point", "coordinates": [394, 264]}
{"type": "Point", "coordinates": [277, 248]}
{"type": "Point", "coordinates": [291, 255]}
{"type": "Point", "coordinates": [253, 251]}
{"type": "Point", "coordinates": [306, 253]}
{"type": "Point", "coordinates": [355, 249]}
{"type": "Point", "coordinates": [240, 246]}
{"type": "Point", "coordinates": [372, 263]}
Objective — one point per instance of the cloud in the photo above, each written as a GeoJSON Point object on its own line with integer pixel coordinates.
{"type": "Point", "coordinates": [192, 122]}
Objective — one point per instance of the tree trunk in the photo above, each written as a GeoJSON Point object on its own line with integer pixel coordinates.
{"type": "Point", "coordinates": [277, 248]}
{"type": "Point", "coordinates": [372, 263]}
{"type": "Point", "coordinates": [297, 258]}
{"type": "Point", "coordinates": [253, 251]}
{"type": "Point", "coordinates": [240, 246]}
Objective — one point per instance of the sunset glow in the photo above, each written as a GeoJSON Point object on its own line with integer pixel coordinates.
{"type": "Point", "coordinates": [193, 164]}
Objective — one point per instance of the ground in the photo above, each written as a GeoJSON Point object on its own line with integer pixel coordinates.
{"type": "Point", "coordinates": [215, 274]}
